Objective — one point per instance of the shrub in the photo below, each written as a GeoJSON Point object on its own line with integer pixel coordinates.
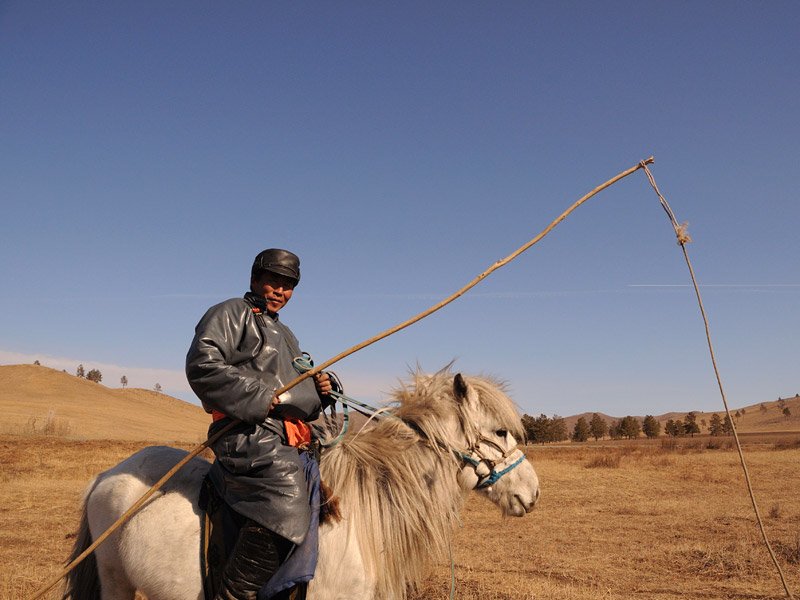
{"type": "Point", "coordinates": [786, 444]}
{"type": "Point", "coordinates": [790, 552]}
{"type": "Point", "coordinates": [52, 426]}
{"type": "Point", "coordinates": [669, 444]}
{"type": "Point", "coordinates": [604, 461]}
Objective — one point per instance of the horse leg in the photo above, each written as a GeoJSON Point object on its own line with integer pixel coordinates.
{"type": "Point", "coordinates": [114, 582]}
{"type": "Point", "coordinates": [161, 550]}
{"type": "Point", "coordinates": [114, 585]}
{"type": "Point", "coordinates": [157, 551]}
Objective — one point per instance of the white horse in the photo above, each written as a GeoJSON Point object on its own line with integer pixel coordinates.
{"type": "Point", "coordinates": [400, 482]}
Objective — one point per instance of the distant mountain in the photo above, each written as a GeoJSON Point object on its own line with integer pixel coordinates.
{"type": "Point", "coordinates": [752, 419]}
{"type": "Point", "coordinates": [37, 399]}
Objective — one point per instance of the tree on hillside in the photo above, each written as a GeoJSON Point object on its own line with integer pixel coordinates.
{"type": "Point", "coordinates": [727, 426]}
{"type": "Point", "coordinates": [37, 363]}
{"type": "Point", "coordinates": [786, 412]}
{"type": "Point", "coordinates": [598, 427]}
{"type": "Point", "coordinates": [651, 427]}
{"type": "Point", "coordinates": [157, 387]}
{"type": "Point", "coordinates": [540, 432]}
{"type": "Point", "coordinates": [94, 375]}
{"type": "Point", "coordinates": [124, 381]}
{"type": "Point", "coordinates": [630, 427]}
{"type": "Point", "coordinates": [715, 428]}
{"type": "Point", "coordinates": [558, 429]}
{"type": "Point", "coordinates": [527, 427]}
{"type": "Point", "coordinates": [581, 431]}
{"type": "Point", "coordinates": [80, 372]}
{"type": "Point", "coordinates": [542, 429]}
{"type": "Point", "coordinates": [674, 428]}
{"type": "Point", "coordinates": [690, 426]}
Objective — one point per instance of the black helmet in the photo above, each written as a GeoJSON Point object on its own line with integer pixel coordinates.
{"type": "Point", "coordinates": [277, 261]}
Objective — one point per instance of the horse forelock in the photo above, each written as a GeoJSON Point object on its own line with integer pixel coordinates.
{"type": "Point", "coordinates": [495, 404]}
{"type": "Point", "coordinates": [428, 400]}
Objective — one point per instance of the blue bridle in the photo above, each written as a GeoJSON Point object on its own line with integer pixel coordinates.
{"type": "Point", "coordinates": [494, 469]}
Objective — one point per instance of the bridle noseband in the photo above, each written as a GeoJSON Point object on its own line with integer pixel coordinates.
{"type": "Point", "coordinates": [488, 470]}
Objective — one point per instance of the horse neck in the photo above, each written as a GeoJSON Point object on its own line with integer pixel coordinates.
{"type": "Point", "coordinates": [442, 424]}
{"type": "Point", "coordinates": [401, 494]}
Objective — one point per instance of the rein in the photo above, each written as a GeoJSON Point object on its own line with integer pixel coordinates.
{"type": "Point", "coordinates": [304, 363]}
{"type": "Point", "coordinates": [488, 470]}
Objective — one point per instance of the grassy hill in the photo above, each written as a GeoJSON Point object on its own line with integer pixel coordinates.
{"type": "Point", "coordinates": [756, 418]}
{"type": "Point", "coordinates": [37, 399]}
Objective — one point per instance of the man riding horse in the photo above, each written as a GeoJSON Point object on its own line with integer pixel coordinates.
{"type": "Point", "coordinates": [240, 356]}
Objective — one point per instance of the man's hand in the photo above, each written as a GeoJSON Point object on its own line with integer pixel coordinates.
{"type": "Point", "coordinates": [273, 403]}
{"type": "Point", "coordinates": [323, 383]}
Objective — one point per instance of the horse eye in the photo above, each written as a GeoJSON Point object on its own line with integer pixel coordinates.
{"type": "Point", "coordinates": [501, 433]}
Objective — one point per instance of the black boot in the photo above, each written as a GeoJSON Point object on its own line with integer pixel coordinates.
{"type": "Point", "coordinates": [256, 556]}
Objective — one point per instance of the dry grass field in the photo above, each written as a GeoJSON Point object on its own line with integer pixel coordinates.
{"type": "Point", "coordinates": [637, 520]}
{"type": "Point", "coordinates": [616, 520]}
{"type": "Point", "coordinates": [662, 519]}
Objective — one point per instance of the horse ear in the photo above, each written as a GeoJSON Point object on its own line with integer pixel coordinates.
{"type": "Point", "coordinates": [459, 387]}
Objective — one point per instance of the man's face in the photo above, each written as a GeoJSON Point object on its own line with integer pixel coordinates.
{"type": "Point", "coordinates": [276, 289]}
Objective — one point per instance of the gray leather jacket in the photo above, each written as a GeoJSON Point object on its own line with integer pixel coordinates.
{"type": "Point", "coordinates": [237, 360]}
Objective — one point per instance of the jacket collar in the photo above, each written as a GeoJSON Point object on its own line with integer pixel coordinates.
{"type": "Point", "coordinates": [260, 303]}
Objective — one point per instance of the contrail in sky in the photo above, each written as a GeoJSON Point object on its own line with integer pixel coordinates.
{"type": "Point", "coordinates": [715, 285]}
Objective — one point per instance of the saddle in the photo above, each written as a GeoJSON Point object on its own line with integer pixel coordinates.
{"type": "Point", "coordinates": [220, 529]}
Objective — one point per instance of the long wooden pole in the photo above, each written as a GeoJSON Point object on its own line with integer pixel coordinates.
{"type": "Point", "coordinates": [500, 263]}
{"type": "Point", "coordinates": [470, 285]}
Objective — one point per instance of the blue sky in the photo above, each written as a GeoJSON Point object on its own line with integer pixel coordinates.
{"type": "Point", "coordinates": [150, 150]}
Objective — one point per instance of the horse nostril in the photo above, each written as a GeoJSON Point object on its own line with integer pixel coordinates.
{"type": "Point", "coordinates": [527, 505]}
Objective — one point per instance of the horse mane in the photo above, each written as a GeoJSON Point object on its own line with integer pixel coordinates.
{"type": "Point", "coordinates": [397, 477]}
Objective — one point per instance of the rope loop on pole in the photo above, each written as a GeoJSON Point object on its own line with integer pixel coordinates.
{"type": "Point", "coordinates": [683, 239]}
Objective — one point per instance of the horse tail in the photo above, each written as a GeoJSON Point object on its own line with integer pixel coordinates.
{"type": "Point", "coordinates": [83, 582]}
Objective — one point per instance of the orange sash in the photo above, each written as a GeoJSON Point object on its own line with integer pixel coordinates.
{"type": "Point", "coordinates": [298, 434]}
